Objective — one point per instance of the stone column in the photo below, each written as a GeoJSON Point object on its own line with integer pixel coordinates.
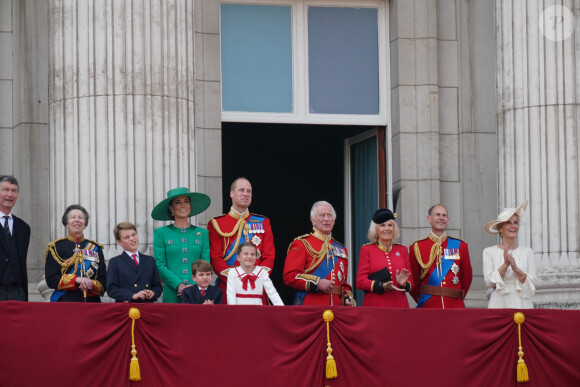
{"type": "Point", "coordinates": [121, 110]}
{"type": "Point", "coordinates": [538, 137]}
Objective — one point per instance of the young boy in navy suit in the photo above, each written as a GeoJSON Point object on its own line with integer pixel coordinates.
{"type": "Point", "coordinates": [202, 292]}
{"type": "Point", "coordinates": [132, 276]}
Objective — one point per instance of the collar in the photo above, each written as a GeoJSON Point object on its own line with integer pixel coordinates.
{"type": "Point", "coordinates": [437, 239]}
{"type": "Point", "coordinates": [3, 215]}
{"type": "Point", "coordinates": [131, 254]}
{"type": "Point", "coordinates": [385, 248]}
{"type": "Point", "coordinates": [321, 236]}
{"type": "Point", "coordinates": [237, 215]}
{"type": "Point", "coordinates": [200, 288]}
{"type": "Point", "coordinates": [74, 239]}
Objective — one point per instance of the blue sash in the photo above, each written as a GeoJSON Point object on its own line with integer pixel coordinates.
{"type": "Point", "coordinates": [435, 279]}
{"type": "Point", "coordinates": [57, 294]}
{"type": "Point", "coordinates": [255, 220]}
{"type": "Point", "coordinates": [321, 271]}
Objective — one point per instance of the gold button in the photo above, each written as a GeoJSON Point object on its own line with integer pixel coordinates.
{"type": "Point", "coordinates": [147, 285]}
{"type": "Point", "coordinates": [135, 285]}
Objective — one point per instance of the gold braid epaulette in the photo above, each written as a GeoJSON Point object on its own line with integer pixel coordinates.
{"type": "Point", "coordinates": [434, 254]}
{"type": "Point", "coordinates": [239, 227]}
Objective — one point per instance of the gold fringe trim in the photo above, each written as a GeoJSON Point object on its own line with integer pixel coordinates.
{"type": "Point", "coordinates": [522, 369]}
{"type": "Point", "coordinates": [331, 372]}
{"type": "Point", "coordinates": [134, 370]}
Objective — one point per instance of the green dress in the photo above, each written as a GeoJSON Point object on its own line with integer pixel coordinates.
{"type": "Point", "coordinates": [175, 249]}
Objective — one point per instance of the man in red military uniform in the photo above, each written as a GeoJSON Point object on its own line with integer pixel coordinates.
{"type": "Point", "coordinates": [228, 231]}
{"type": "Point", "coordinates": [440, 265]}
{"type": "Point", "coordinates": [317, 265]}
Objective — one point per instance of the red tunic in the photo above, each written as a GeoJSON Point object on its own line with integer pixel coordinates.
{"type": "Point", "coordinates": [222, 236]}
{"type": "Point", "coordinates": [464, 274]}
{"type": "Point", "coordinates": [372, 259]}
{"type": "Point", "coordinates": [300, 265]}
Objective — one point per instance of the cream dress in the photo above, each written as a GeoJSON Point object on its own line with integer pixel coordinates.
{"type": "Point", "coordinates": [509, 292]}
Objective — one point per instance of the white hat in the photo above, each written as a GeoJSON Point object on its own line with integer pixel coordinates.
{"type": "Point", "coordinates": [504, 216]}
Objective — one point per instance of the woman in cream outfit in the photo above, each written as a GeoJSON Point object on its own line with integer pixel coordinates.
{"type": "Point", "coordinates": [508, 268]}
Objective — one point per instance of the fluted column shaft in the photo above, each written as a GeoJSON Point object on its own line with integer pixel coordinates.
{"type": "Point", "coordinates": [538, 134]}
{"type": "Point", "coordinates": [121, 109]}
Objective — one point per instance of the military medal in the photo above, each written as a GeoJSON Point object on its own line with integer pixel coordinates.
{"type": "Point", "coordinates": [455, 268]}
{"type": "Point", "coordinates": [339, 275]}
{"type": "Point", "coordinates": [90, 272]}
{"type": "Point", "coordinates": [256, 240]}
{"type": "Point", "coordinates": [341, 265]}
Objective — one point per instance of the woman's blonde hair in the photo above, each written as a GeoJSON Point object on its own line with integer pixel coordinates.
{"type": "Point", "coordinates": [372, 234]}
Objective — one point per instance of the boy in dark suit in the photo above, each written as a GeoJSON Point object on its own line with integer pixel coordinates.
{"type": "Point", "coordinates": [202, 292]}
{"type": "Point", "coordinates": [132, 276]}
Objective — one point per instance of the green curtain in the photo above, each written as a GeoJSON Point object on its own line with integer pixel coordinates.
{"type": "Point", "coordinates": [364, 178]}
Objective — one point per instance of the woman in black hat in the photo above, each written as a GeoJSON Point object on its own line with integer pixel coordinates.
{"type": "Point", "coordinates": [178, 245]}
{"type": "Point", "coordinates": [383, 268]}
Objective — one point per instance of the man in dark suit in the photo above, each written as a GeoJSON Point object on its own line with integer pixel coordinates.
{"type": "Point", "coordinates": [14, 240]}
{"type": "Point", "coordinates": [202, 292]}
{"type": "Point", "coordinates": [132, 276]}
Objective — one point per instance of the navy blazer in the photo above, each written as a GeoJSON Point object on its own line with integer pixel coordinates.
{"type": "Point", "coordinates": [21, 235]}
{"type": "Point", "coordinates": [192, 295]}
{"type": "Point", "coordinates": [125, 278]}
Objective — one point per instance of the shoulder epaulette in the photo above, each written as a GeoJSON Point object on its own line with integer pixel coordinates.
{"type": "Point", "coordinates": [368, 244]}
{"type": "Point", "coordinates": [296, 239]}
{"type": "Point", "coordinates": [219, 216]}
{"type": "Point", "coordinates": [94, 242]}
{"type": "Point", "coordinates": [399, 244]}
{"type": "Point", "coordinates": [261, 216]}
{"type": "Point", "coordinates": [419, 240]}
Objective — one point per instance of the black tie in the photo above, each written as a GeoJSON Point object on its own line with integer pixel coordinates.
{"type": "Point", "coordinates": [6, 227]}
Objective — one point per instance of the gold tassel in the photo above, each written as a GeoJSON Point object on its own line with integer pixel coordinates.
{"type": "Point", "coordinates": [331, 372]}
{"type": "Point", "coordinates": [522, 369]}
{"type": "Point", "coordinates": [134, 370]}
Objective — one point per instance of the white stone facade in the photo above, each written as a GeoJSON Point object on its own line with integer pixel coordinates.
{"type": "Point", "coordinates": [110, 104]}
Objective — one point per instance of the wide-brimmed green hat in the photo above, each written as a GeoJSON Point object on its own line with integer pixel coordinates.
{"type": "Point", "coordinates": [199, 203]}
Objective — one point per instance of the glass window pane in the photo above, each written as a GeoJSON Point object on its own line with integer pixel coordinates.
{"type": "Point", "coordinates": [256, 58]}
{"type": "Point", "coordinates": [343, 60]}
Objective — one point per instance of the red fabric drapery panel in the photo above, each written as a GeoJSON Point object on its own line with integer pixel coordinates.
{"type": "Point", "coordinates": [55, 344]}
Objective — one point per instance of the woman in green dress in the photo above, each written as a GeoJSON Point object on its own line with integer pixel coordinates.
{"type": "Point", "coordinates": [178, 245]}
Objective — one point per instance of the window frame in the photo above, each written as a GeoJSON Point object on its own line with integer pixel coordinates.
{"type": "Point", "coordinates": [300, 87]}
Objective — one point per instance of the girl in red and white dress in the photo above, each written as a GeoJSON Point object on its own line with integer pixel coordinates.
{"type": "Point", "coordinates": [246, 283]}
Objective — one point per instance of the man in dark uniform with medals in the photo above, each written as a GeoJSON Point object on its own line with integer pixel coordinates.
{"type": "Point", "coordinates": [440, 265]}
{"type": "Point", "coordinates": [228, 231]}
{"type": "Point", "coordinates": [317, 265]}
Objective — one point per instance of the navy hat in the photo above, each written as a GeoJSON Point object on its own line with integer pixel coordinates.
{"type": "Point", "coordinates": [382, 215]}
